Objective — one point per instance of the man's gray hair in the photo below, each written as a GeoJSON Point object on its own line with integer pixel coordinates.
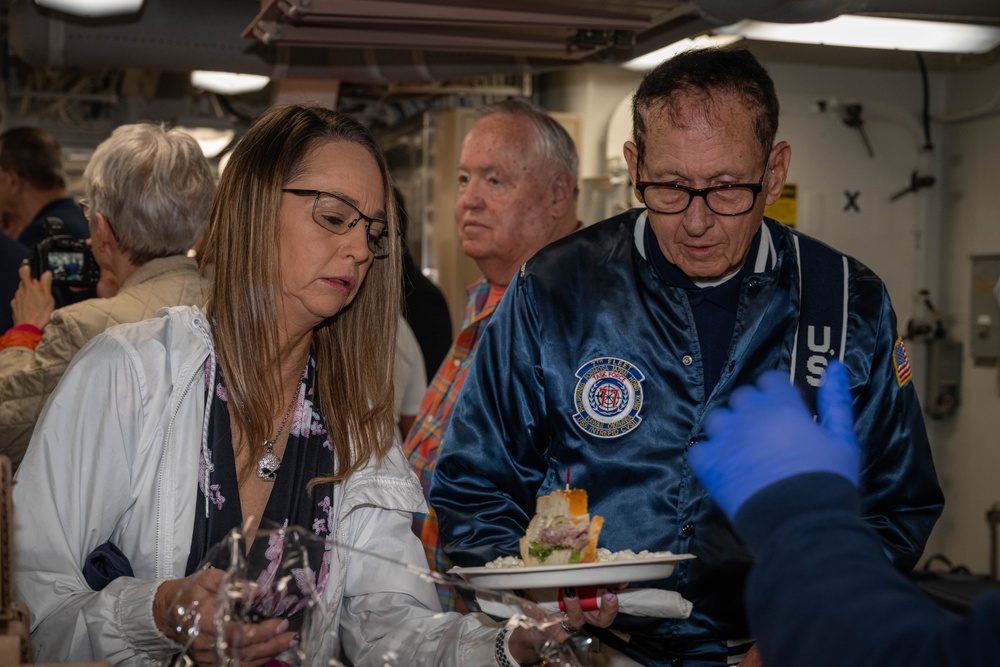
{"type": "Point", "coordinates": [552, 141]}
{"type": "Point", "coordinates": [155, 188]}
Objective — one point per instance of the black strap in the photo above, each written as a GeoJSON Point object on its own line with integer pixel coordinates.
{"type": "Point", "coordinates": [822, 332]}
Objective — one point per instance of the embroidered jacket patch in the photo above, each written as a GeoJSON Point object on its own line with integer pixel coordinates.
{"type": "Point", "coordinates": [901, 363]}
{"type": "Point", "coordinates": [608, 397]}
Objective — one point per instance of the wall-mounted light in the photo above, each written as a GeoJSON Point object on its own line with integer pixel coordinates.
{"type": "Point", "coordinates": [92, 7]}
{"type": "Point", "coordinates": [654, 58]}
{"type": "Point", "coordinates": [228, 83]}
{"type": "Point", "coordinates": [876, 33]}
{"type": "Point", "coordinates": [213, 140]}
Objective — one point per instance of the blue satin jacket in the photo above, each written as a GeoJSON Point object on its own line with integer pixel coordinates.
{"type": "Point", "coordinates": [592, 363]}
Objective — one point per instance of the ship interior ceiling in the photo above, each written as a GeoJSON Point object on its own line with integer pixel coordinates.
{"type": "Point", "coordinates": [382, 60]}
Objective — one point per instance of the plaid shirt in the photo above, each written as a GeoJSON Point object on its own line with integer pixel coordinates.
{"type": "Point", "coordinates": [424, 439]}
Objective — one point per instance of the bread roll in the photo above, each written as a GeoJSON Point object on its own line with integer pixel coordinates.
{"type": "Point", "coordinates": [561, 532]}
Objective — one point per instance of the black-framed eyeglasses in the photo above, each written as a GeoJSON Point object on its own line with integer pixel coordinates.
{"type": "Point", "coordinates": [726, 199]}
{"type": "Point", "coordinates": [339, 216]}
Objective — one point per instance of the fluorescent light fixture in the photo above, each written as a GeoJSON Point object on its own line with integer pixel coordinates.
{"type": "Point", "coordinates": [92, 7]}
{"type": "Point", "coordinates": [654, 58]}
{"type": "Point", "coordinates": [211, 139]}
{"type": "Point", "coordinates": [228, 83]}
{"type": "Point", "coordinates": [876, 33]}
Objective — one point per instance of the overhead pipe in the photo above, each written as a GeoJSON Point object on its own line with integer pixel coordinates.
{"type": "Point", "coordinates": [164, 38]}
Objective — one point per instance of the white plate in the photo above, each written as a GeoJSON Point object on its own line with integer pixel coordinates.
{"type": "Point", "coordinates": [578, 574]}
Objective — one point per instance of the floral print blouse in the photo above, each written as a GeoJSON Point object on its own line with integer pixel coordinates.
{"type": "Point", "coordinates": [290, 558]}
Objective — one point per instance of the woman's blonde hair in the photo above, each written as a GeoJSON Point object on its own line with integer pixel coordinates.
{"type": "Point", "coordinates": [354, 349]}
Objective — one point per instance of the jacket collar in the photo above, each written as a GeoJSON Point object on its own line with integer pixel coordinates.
{"type": "Point", "coordinates": [765, 260]}
{"type": "Point", "coordinates": [155, 268]}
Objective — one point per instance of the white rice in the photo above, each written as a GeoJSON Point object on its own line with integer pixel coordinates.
{"type": "Point", "coordinates": [603, 555]}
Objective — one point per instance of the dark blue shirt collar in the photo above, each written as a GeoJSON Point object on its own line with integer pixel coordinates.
{"type": "Point", "coordinates": [714, 308]}
{"type": "Point", "coordinates": [673, 276]}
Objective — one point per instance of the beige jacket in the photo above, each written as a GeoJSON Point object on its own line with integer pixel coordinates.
{"type": "Point", "coordinates": [27, 377]}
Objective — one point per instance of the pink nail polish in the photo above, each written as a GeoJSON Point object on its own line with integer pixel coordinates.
{"type": "Point", "coordinates": [283, 626]}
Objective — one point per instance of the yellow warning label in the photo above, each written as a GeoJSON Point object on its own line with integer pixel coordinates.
{"type": "Point", "coordinates": [786, 208]}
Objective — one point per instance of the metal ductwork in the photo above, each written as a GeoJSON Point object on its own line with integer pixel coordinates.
{"type": "Point", "coordinates": [372, 47]}
{"type": "Point", "coordinates": [169, 35]}
{"type": "Point", "coordinates": [184, 35]}
{"type": "Point", "coordinates": [406, 41]}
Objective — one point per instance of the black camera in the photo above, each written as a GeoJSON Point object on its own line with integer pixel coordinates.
{"type": "Point", "coordinates": [69, 259]}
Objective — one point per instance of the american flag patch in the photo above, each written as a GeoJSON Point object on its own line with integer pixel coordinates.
{"type": "Point", "coordinates": [901, 363]}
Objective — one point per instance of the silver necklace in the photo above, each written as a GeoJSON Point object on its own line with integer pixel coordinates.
{"type": "Point", "coordinates": [268, 463]}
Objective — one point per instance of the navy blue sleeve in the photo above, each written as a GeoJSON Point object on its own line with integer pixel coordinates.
{"type": "Point", "coordinates": [901, 498]}
{"type": "Point", "coordinates": [493, 458]}
{"type": "Point", "coordinates": [822, 592]}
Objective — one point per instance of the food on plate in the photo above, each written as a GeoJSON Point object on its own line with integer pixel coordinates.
{"type": "Point", "coordinates": [561, 532]}
{"type": "Point", "coordinates": [603, 556]}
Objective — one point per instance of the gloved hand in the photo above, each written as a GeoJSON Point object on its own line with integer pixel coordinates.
{"type": "Point", "coordinates": [767, 434]}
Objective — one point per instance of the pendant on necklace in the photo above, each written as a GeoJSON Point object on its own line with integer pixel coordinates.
{"type": "Point", "coordinates": [268, 464]}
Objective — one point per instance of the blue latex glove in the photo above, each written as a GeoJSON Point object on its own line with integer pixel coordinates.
{"type": "Point", "coordinates": [767, 434]}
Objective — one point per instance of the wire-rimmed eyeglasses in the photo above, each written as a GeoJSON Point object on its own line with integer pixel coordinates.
{"type": "Point", "coordinates": [84, 205]}
{"type": "Point", "coordinates": [339, 216]}
{"type": "Point", "coordinates": [725, 199]}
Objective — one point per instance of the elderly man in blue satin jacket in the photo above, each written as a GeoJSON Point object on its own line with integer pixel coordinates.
{"type": "Point", "coordinates": [613, 344]}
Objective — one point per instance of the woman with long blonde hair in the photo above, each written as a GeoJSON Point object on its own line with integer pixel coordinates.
{"type": "Point", "coordinates": [273, 404]}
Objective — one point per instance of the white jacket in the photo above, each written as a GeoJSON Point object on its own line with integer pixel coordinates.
{"type": "Point", "coordinates": [115, 457]}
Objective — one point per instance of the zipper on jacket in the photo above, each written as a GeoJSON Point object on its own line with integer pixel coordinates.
{"type": "Point", "coordinates": [166, 442]}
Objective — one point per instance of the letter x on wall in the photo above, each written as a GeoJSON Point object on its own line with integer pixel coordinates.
{"type": "Point", "coordinates": [852, 201]}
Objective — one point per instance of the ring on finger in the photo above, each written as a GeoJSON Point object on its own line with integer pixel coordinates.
{"type": "Point", "coordinates": [565, 625]}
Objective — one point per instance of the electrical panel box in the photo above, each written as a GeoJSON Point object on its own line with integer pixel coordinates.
{"type": "Point", "coordinates": [944, 377]}
{"type": "Point", "coordinates": [984, 337]}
